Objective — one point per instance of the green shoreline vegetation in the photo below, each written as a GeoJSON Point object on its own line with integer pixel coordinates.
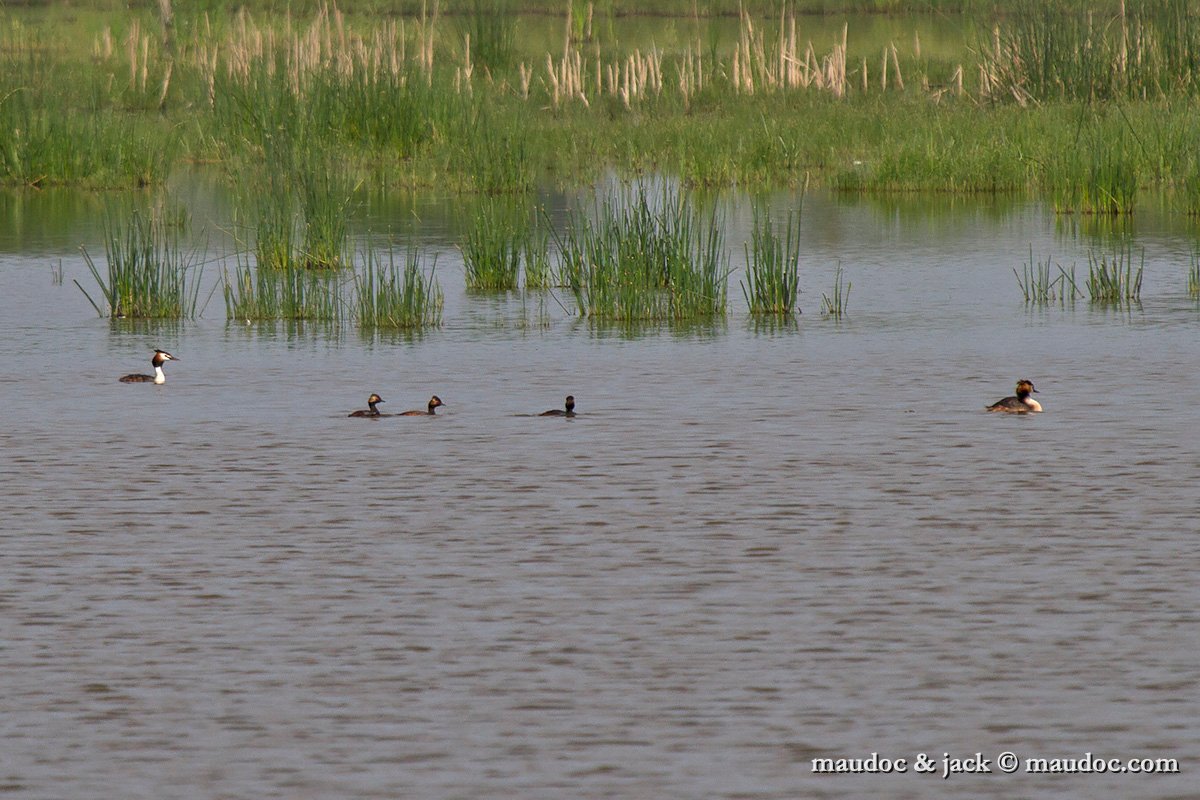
{"type": "Point", "coordinates": [302, 106]}
{"type": "Point", "coordinates": [1084, 107]}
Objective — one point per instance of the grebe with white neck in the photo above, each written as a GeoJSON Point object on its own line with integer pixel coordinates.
{"type": "Point", "coordinates": [160, 357]}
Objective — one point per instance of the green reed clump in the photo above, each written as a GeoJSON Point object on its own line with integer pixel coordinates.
{"type": "Point", "coordinates": [290, 293]}
{"type": "Point", "coordinates": [1112, 278]}
{"type": "Point", "coordinates": [772, 267]}
{"type": "Point", "coordinates": [535, 256]}
{"type": "Point", "coordinates": [638, 262]}
{"type": "Point", "coordinates": [149, 274]}
{"type": "Point", "coordinates": [1040, 286]}
{"type": "Point", "coordinates": [388, 296]}
{"type": "Point", "coordinates": [835, 304]}
{"type": "Point", "coordinates": [325, 199]}
{"type": "Point", "coordinates": [493, 245]}
{"type": "Point", "coordinates": [1096, 174]}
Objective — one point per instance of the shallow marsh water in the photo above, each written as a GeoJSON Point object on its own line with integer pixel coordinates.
{"type": "Point", "coordinates": [753, 548]}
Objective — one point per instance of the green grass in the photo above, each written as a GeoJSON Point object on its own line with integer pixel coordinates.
{"type": "Point", "coordinates": [290, 293]}
{"type": "Point", "coordinates": [148, 274]}
{"type": "Point", "coordinates": [1113, 279]}
{"type": "Point", "coordinates": [772, 266]}
{"type": "Point", "coordinates": [835, 304]}
{"type": "Point", "coordinates": [645, 259]}
{"type": "Point", "coordinates": [1194, 275]}
{"type": "Point", "coordinates": [1041, 285]}
{"type": "Point", "coordinates": [1076, 50]}
{"type": "Point", "coordinates": [1193, 278]}
{"type": "Point", "coordinates": [390, 296]}
{"type": "Point", "coordinates": [306, 106]}
{"type": "Point", "coordinates": [493, 246]}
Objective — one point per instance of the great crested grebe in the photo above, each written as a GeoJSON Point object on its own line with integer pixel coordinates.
{"type": "Point", "coordinates": [558, 412]}
{"type": "Point", "coordinates": [434, 402]}
{"type": "Point", "coordinates": [1021, 403]}
{"type": "Point", "coordinates": [159, 358]}
{"type": "Point", "coordinates": [371, 410]}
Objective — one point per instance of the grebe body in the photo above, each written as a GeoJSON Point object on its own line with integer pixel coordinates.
{"type": "Point", "coordinates": [567, 411]}
{"type": "Point", "coordinates": [159, 358]}
{"type": "Point", "coordinates": [434, 402]}
{"type": "Point", "coordinates": [1020, 403]}
{"type": "Point", "coordinates": [370, 410]}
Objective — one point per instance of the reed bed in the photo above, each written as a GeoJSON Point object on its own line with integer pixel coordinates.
{"type": "Point", "coordinates": [1095, 177]}
{"type": "Point", "coordinates": [289, 293]}
{"type": "Point", "coordinates": [1136, 49]}
{"type": "Point", "coordinates": [646, 261]}
{"type": "Point", "coordinates": [835, 304]}
{"type": "Point", "coordinates": [391, 296]}
{"type": "Point", "coordinates": [1113, 279]}
{"type": "Point", "coordinates": [772, 267]}
{"type": "Point", "coordinates": [458, 102]}
{"type": "Point", "coordinates": [149, 275]}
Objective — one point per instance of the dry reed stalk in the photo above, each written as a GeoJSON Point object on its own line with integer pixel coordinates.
{"type": "Point", "coordinates": [103, 46]}
{"type": "Point", "coordinates": [166, 86]}
{"type": "Point", "coordinates": [525, 74]}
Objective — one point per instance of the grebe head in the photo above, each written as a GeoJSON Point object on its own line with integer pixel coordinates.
{"type": "Point", "coordinates": [570, 402]}
{"type": "Point", "coordinates": [161, 357]}
{"type": "Point", "coordinates": [1024, 388]}
{"type": "Point", "coordinates": [373, 399]}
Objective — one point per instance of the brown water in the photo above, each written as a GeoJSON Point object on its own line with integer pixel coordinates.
{"type": "Point", "coordinates": [750, 550]}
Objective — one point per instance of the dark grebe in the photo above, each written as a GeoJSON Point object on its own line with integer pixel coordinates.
{"type": "Point", "coordinates": [434, 402]}
{"type": "Point", "coordinates": [371, 410]}
{"type": "Point", "coordinates": [160, 357]}
{"type": "Point", "coordinates": [558, 412]}
{"type": "Point", "coordinates": [1022, 403]}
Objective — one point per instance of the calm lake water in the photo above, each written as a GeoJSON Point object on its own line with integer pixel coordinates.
{"type": "Point", "coordinates": [752, 549]}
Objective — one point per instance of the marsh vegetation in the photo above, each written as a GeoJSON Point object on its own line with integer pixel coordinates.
{"type": "Point", "coordinates": [303, 109]}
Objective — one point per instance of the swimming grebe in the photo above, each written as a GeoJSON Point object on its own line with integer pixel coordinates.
{"type": "Point", "coordinates": [160, 357]}
{"type": "Point", "coordinates": [371, 410]}
{"type": "Point", "coordinates": [434, 402]}
{"type": "Point", "coordinates": [558, 412]}
{"type": "Point", "coordinates": [1022, 403]}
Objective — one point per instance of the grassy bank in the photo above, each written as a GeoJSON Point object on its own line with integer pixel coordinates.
{"type": "Point", "coordinates": [1084, 106]}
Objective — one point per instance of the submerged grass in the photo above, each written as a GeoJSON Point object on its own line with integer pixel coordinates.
{"type": "Point", "coordinates": [148, 275]}
{"type": "Point", "coordinates": [772, 267]}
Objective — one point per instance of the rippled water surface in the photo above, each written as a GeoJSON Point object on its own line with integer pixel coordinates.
{"type": "Point", "coordinates": [753, 547]}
